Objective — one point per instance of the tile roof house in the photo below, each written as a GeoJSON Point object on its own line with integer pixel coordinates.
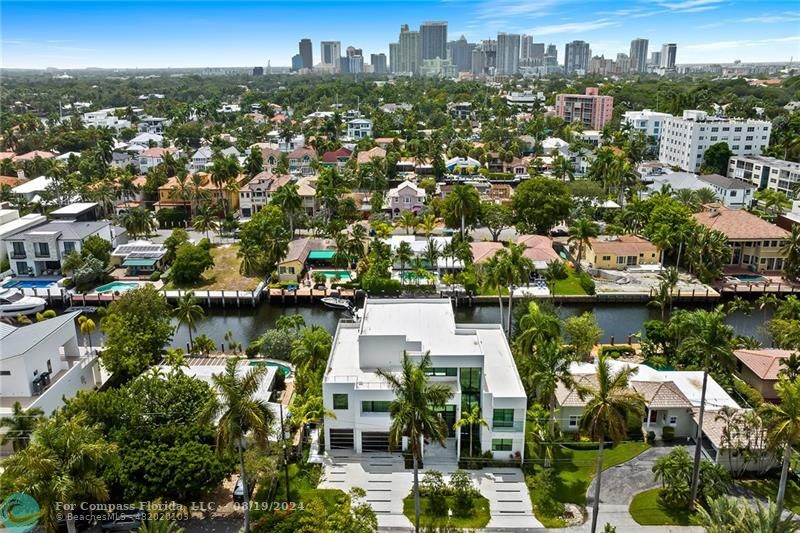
{"type": "Point", "coordinates": [483, 250]}
{"type": "Point", "coordinates": [620, 252]}
{"type": "Point", "coordinates": [300, 161]}
{"type": "Point", "coordinates": [539, 249]}
{"type": "Point", "coordinates": [153, 156]}
{"type": "Point", "coordinates": [755, 243]}
{"type": "Point", "coordinates": [760, 369]}
{"type": "Point", "coordinates": [337, 157]}
{"type": "Point", "coordinates": [367, 155]}
{"type": "Point", "coordinates": [168, 193]}
{"type": "Point", "coordinates": [294, 262]}
{"type": "Point", "coordinates": [258, 192]}
{"type": "Point", "coordinates": [30, 156]}
{"type": "Point", "coordinates": [405, 197]}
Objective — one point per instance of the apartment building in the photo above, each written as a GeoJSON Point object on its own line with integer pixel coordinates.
{"type": "Point", "coordinates": [766, 172]}
{"type": "Point", "coordinates": [475, 361]}
{"type": "Point", "coordinates": [649, 122]}
{"type": "Point", "coordinates": [685, 139]}
{"type": "Point", "coordinates": [590, 110]}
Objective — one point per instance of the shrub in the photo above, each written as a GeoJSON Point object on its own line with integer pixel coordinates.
{"type": "Point", "coordinates": [253, 348]}
{"type": "Point", "coordinates": [751, 395]}
{"type": "Point", "coordinates": [668, 434]}
{"type": "Point", "coordinates": [433, 487]}
{"type": "Point", "coordinates": [463, 490]}
{"type": "Point", "coordinates": [617, 350]}
{"type": "Point", "coordinates": [381, 286]}
{"type": "Point", "coordinates": [543, 491]}
{"type": "Point", "coordinates": [190, 262]}
{"type": "Point", "coordinates": [68, 283]}
{"type": "Point", "coordinates": [587, 283]}
{"type": "Point", "coordinates": [651, 436]}
{"type": "Point", "coordinates": [46, 315]}
{"type": "Point", "coordinates": [155, 276]}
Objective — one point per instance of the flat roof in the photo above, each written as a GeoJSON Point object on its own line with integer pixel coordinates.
{"type": "Point", "coordinates": [75, 209]}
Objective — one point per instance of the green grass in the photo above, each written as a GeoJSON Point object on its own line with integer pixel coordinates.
{"type": "Point", "coordinates": [303, 482]}
{"type": "Point", "coordinates": [575, 470]}
{"type": "Point", "coordinates": [478, 518]}
{"type": "Point", "coordinates": [768, 488]}
{"type": "Point", "coordinates": [570, 285]}
{"type": "Point", "coordinates": [647, 510]}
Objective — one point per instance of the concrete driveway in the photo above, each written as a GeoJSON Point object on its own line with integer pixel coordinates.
{"type": "Point", "coordinates": [387, 482]}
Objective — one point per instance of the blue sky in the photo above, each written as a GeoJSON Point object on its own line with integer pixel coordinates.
{"type": "Point", "coordinates": [109, 33]}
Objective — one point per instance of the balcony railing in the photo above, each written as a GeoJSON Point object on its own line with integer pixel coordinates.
{"type": "Point", "coordinates": [515, 427]}
{"type": "Point", "coordinates": [18, 255]}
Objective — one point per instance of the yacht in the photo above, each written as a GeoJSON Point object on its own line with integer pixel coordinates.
{"type": "Point", "coordinates": [13, 302]}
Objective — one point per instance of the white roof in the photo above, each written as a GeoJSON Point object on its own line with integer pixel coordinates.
{"type": "Point", "coordinates": [21, 223]}
{"type": "Point", "coordinates": [406, 184]}
{"type": "Point", "coordinates": [690, 382]}
{"type": "Point", "coordinates": [204, 368]}
{"type": "Point", "coordinates": [74, 209]}
{"type": "Point", "coordinates": [35, 185]}
{"type": "Point", "coordinates": [19, 340]}
{"type": "Point", "coordinates": [145, 138]}
{"type": "Point", "coordinates": [418, 244]}
{"type": "Point", "coordinates": [553, 142]}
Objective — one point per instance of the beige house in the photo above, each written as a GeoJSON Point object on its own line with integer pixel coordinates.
{"type": "Point", "coordinates": [755, 243]}
{"type": "Point", "coordinates": [760, 368]}
{"type": "Point", "coordinates": [620, 252]}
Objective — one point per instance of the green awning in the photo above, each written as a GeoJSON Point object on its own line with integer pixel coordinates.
{"type": "Point", "coordinates": [321, 255]}
{"type": "Point", "coordinates": [140, 262]}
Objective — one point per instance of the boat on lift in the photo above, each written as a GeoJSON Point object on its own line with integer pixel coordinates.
{"type": "Point", "coordinates": [14, 302]}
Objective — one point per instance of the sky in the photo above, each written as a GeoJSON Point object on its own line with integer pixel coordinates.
{"type": "Point", "coordinates": [215, 33]}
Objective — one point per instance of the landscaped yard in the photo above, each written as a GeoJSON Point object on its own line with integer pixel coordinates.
{"type": "Point", "coordinates": [570, 285]}
{"type": "Point", "coordinates": [477, 519]}
{"type": "Point", "coordinates": [647, 510]}
{"type": "Point", "coordinates": [768, 489]}
{"type": "Point", "coordinates": [225, 274]}
{"type": "Point", "coordinates": [303, 486]}
{"type": "Point", "coordinates": [575, 469]}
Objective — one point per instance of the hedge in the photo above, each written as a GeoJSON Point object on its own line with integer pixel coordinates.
{"type": "Point", "coordinates": [617, 350]}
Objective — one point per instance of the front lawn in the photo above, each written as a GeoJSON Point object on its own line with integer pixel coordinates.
{"type": "Point", "coordinates": [647, 510]}
{"type": "Point", "coordinates": [570, 285]}
{"type": "Point", "coordinates": [478, 517]}
{"type": "Point", "coordinates": [575, 469]}
{"type": "Point", "coordinates": [225, 274]}
{"type": "Point", "coordinates": [303, 482]}
{"type": "Point", "coordinates": [768, 489]}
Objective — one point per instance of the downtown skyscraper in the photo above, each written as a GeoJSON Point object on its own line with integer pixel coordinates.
{"type": "Point", "coordinates": [668, 54]}
{"type": "Point", "coordinates": [577, 56]}
{"type": "Point", "coordinates": [433, 37]}
{"type": "Point", "coordinates": [330, 51]}
{"type": "Point", "coordinates": [409, 51]}
{"type": "Point", "coordinates": [638, 55]}
{"type": "Point", "coordinates": [507, 54]}
{"type": "Point", "coordinates": [306, 55]}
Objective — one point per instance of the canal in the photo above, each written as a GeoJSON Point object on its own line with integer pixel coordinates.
{"type": "Point", "coordinates": [618, 320]}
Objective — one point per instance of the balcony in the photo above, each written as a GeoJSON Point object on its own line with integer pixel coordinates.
{"type": "Point", "coordinates": [515, 427]}
{"type": "Point", "coordinates": [18, 255]}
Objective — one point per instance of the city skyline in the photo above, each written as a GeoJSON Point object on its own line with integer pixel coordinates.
{"type": "Point", "coordinates": [216, 34]}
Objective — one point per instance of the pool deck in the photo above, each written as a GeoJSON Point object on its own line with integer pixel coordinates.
{"type": "Point", "coordinates": [772, 284]}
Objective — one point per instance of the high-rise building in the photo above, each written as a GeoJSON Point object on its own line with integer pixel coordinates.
{"type": "Point", "coordinates": [378, 62]}
{"type": "Point", "coordinates": [355, 64]}
{"type": "Point", "coordinates": [330, 51]}
{"type": "Point", "coordinates": [394, 57]}
{"type": "Point", "coordinates": [433, 40]}
{"type": "Point", "coordinates": [306, 54]}
{"type": "Point", "coordinates": [590, 109]}
{"type": "Point", "coordinates": [577, 55]}
{"type": "Point", "coordinates": [638, 55]}
{"type": "Point", "coordinates": [525, 49]}
{"type": "Point", "coordinates": [668, 54]}
{"type": "Point", "coordinates": [258, 71]}
{"type": "Point", "coordinates": [622, 65]}
{"type": "Point", "coordinates": [410, 51]}
{"type": "Point", "coordinates": [551, 55]}
{"type": "Point", "coordinates": [507, 54]}
{"type": "Point", "coordinates": [297, 62]}
{"type": "Point", "coordinates": [655, 59]}
{"type": "Point", "coordinates": [460, 54]}
{"type": "Point", "coordinates": [537, 54]}
{"type": "Point", "coordinates": [353, 51]}
{"type": "Point", "coordinates": [478, 61]}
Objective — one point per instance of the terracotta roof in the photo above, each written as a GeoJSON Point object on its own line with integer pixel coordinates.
{"type": "Point", "coordinates": [764, 363]}
{"type": "Point", "coordinates": [301, 152]}
{"type": "Point", "coordinates": [714, 429]}
{"type": "Point", "coordinates": [158, 152]}
{"type": "Point", "coordinates": [482, 251]}
{"type": "Point", "coordinates": [206, 183]}
{"type": "Point", "coordinates": [272, 181]}
{"type": "Point", "coordinates": [661, 394]}
{"type": "Point", "coordinates": [32, 155]}
{"type": "Point", "coordinates": [388, 140]}
{"type": "Point", "coordinates": [568, 397]}
{"type": "Point", "coordinates": [622, 245]}
{"type": "Point", "coordinates": [11, 181]}
{"type": "Point", "coordinates": [364, 157]}
{"type": "Point", "coordinates": [7, 155]}
{"type": "Point", "coordinates": [333, 157]}
{"type": "Point", "coordinates": [738, 224]}
{"type": "Point", "coordinates": [266, 152]}
{"type": "Point", "coordinates": [538, 248]}
{"type": "Point", "coordinates": [306, 187]}
{"type": "Point", "coordinates": [299, 248]}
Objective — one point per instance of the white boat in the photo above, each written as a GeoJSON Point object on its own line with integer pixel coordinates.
{"type": "Point", "coordinates": [336, 303]}
{"type": "Point", "coordinates": [13, 302]}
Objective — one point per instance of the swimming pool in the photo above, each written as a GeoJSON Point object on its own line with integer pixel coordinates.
{"type": "Point", "coordinates": [334, 274]}
{"type": "Point", "coordinates": [119, 286]}
{"type": "Point", "coordinates": [287, 372]}
{"type": "Point", "coordinates": [750, 278]}
{"type": "Point", "coordinates": [30, 284]}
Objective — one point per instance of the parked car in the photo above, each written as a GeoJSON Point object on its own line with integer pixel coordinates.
{"type": "Point", "coordinates": [125, 521]}
{"type": "Point", "coordinates": [238, 492]}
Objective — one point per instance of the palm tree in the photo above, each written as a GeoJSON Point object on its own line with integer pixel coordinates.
{"type": "Point", "coordinates": [563, 169]}
{"type": "Point", "coordinates": [518, 268]}
{"type": "Point", "coordinates": [427, 225]}
{"type": "Point", "coordinates": [790, 367]}
{"type": "Point", "coordinates": [554, 271]}
{"type": "Point", "coordinates": [495, 276]}
{"type": "Point", "coordinates": [610, 403]}
{"type": "Point", "coordinates": [580, 232]}
{"type": "Point", "coordinates": [783, 428]}
{"type": "Point", "coordinates": [189, 312]}
{"type": "Point", "coordinates": [432, 253]}
{"type": "Point", "coordinates": [791, 251]}
{"type": "Point", "coordinates": [536, 327]}
{"type": "Point", "coordinates": [407, 220]}
{"type": "Point", "coordinates": [471, 419]}
{"type": "Point", "coordinates": [311, 349]}
{"type": "Point", "coordinates": [465, 202]}
{"type": "Point", "coordinates": [19, 426]}
{"type": "Point", "coordinates": [205, 220]}
{"type": "Point", "coordinates": [413, 412]}
{"type": "Point", "coordinates": [404, 255]}
{"type": "Point", "coordinates": [241, 411]}
{"type": "Point", "coordinates": [61, 466]}
{"type": "Point", "coordinates": [708, 339]}
{"type": "Point", "coordinates": [669, 277]}
{"type": "Point", "coordinates": [288, 199]}
{"type": "Point", "coordinates": [359, 239]}
{"type": "Point", "coordinates": [87, 326]}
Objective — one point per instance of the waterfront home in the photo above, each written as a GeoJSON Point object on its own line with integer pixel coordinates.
{"type": "Point", "coordinates": [419, 245]}
{"type": "Point", "coordinates": [760, 369]}
{"type": "Point", "coordinates": [169, 193]}
{"type": "Point", "coordinates": [139, 258]}
{"type": "Point", "coordinates": [41, 364]}
{"type": "Point", "coordinates": [755, 243]}
{"type": "Point", "coordinates": [14, 224]}
{"type": "Point", "coordinates": [301, 252]}
{"type": "Point", "coordinates": [474, 361]}
{"type": "Point", "coordinates": [620, 252]}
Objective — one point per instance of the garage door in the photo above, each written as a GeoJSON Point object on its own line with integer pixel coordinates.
{"type": "Point", "coordinates": [374, 441]}
{"type": "Point", "coordinates": [341, 439]}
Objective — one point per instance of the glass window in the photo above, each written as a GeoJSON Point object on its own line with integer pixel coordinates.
{"type": "Point", "coordinates": [573, 420]}
{"type": "Point", "coordinates": [503, 418]}
{"type": "Point", "coordinates": [19, 248]}
{"type": "Point", "coordinates": [439, 372]}
{"type": "Point", "coordinates": [673, 420]}
{"type": "Point", "coordinates": [42, 249]}
{"type": "Point", "coordinates": [501, 445]}
{"type": "Point", "coordinates": [374, 406]}
{"type": "Point", "coordinates": [69, 247]}
{"type": "Point", "coordinates": [340, 401]}
{"type": "Point", "coordinates": [606, 258]}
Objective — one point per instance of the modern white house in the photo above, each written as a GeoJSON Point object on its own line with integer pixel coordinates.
{"type": "Point", "coordinates": [475, 361]}
{"type": "Point", "coordinates": [276, 142]}
{"type": "Point", "coordinates": [11, 225]}
{"type": "Point", "coordinates": [359, 128]}
{"type": "Point", "coordinates": [31, 190]}
{"type": "Point", "coordinates": [42, 363]}
{"type": "Point", "coordinates": [684, 140]}
{"type": "Point", "coordinates": [405, 197]}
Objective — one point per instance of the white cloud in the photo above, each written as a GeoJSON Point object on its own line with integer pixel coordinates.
{"type": "Point", "coordinates": [773, 19]}
{"type": "Point", "coordinates": [691, 6]}
{"type": "Point", "coordinates": [572, 27]}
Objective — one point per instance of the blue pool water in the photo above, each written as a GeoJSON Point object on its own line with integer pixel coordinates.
{"type": "Point", "coordinates": [750, 278]}
{"type": "Point", "coordinates": [30, 284]}
{"type": "Point", "coordinates": [286, 370]}
{"type": "Point", "coordinates": [120, 286]}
